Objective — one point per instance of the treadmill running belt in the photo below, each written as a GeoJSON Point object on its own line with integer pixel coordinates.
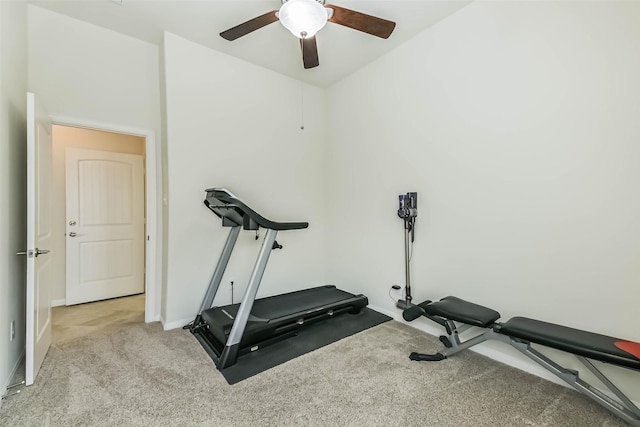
{"type": "Point", "coordinates": [281, 305]}
{"type": "Point", "coordinates": [281, 314]}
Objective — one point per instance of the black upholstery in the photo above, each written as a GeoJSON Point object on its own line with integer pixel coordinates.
{"type": "Point", "coordinates": [463, 311]}
{"type": "Point", "coordinates": [583, 343]}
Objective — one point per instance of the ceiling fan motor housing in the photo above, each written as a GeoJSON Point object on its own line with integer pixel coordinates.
{"type": "Point", "coordinates": [303, 18]}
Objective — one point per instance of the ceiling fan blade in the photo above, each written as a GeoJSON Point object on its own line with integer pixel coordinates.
{"type": "Point", "coordinates": [249, 26]}
{"type": "Point", "coordinates": [362, 22]}
{"type": "Point", "coordinates": [309, 52]}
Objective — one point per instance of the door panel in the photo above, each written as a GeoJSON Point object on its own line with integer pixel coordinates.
{"type": "Point", "coordinates": [112, 181]}
{"type": "Point", "coordinates": [43, 298]}
{"type": "Point", "coordinates": [119, 253]}
{"type": "Point", "coordinates": [105, 225]}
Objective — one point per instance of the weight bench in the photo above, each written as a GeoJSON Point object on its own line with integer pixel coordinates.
{"type": "Point", "coordinates": [457, 315]}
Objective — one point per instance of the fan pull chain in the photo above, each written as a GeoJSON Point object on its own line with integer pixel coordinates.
{"type": "Point", "coordinates": [301, 106]}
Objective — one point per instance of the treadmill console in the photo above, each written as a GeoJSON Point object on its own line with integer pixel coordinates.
{"type": "Point", "coordinates": [235, 213]}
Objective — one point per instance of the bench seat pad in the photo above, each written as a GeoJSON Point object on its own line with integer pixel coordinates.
{"type": "Point", "coordinates": [588, 344]}
{"type": "Point", "coordinates": [459, 310]}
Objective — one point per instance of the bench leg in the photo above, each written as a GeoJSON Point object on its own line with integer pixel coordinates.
{"type": "Point", "coordinates": [456, 345]}
{"type": "Point", "coordinates": [624, 408]}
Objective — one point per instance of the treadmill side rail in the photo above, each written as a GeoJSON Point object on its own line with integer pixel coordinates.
{"type": "Point", "coordinates": [207, 302]}
{"type": "Point", "coordinates": [230, 353]}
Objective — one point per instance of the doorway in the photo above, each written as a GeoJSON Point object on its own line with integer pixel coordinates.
{"type": "Point", "coordinates": [108, 146]}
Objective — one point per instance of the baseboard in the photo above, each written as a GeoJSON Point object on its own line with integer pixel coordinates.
{"type": "Point", "coordinates": [13, 373]}
{"type": "Point", "coordinates": [58, 302]}
{"type": "Point", "coordinates": [15, 368]}
{"type": "Point", "coordinates": [174, 324]}
{"type": "Point", "coordinates": [152, 318]}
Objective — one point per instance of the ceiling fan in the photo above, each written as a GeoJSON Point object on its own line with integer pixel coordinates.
{"type": "Point", "coordinates": [304, 18]}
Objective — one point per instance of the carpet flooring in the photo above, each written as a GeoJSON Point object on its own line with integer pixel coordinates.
{"type": "Point", "coordinates": [140, 375]}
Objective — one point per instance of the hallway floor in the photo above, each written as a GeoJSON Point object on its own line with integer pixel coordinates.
{"type": "Point", "coordinates": [85, 319]}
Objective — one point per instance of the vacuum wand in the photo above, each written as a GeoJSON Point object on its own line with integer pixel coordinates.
{"type": "Point", "coordinates": [408, 211]}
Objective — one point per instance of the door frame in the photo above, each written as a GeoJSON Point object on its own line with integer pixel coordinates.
{"type": "Point", "coordinates": [152, 285]}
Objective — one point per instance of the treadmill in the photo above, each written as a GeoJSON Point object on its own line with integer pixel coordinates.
{"type": "Point", "coordinates": [229, 331]}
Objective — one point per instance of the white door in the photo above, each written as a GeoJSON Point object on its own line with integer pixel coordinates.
{"type": "Point", "coordinates": [105, 225]}
{"type": "Point", "coordinates": [38, 238]}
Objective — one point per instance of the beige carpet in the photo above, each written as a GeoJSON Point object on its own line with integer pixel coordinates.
{"type": "Point", "coordinates": [140, 375]}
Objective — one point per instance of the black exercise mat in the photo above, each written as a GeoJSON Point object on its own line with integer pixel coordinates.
{"type": "Point", "coordinates": [308, 339]}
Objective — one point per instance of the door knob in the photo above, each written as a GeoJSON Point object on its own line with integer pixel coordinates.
{"type": "Point", "coordinates": [73, 234]}
{"type": "Point", "coordinates": [41, 251]}
{"type": "Point", "coordinates": [31, 253]}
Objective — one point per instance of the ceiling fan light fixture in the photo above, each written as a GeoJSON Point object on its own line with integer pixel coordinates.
{"type": "Point", "coordinates": [304, 18]}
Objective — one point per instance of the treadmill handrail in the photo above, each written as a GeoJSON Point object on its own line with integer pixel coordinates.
{"type": "Point", "coordinates": [236, 209]}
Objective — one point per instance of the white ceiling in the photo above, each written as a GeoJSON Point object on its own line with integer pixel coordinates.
{"type": "Point", "coordinates": [341, 50]}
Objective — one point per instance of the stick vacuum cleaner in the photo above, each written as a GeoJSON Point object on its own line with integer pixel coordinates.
{"type": "Point", "coordinates": [408, 211]}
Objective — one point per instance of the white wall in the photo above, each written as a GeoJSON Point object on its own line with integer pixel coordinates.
{"type": "Point", "coordinates": [64, 137]}
{"type": "Point", "coordinates": [13, 88]}
{"type": "Point", "coordinates": [235, 125]}
{"type": "Point", "coordinates": [517, 124]}
{"type": "Point", "coordinates": [89, 74]}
